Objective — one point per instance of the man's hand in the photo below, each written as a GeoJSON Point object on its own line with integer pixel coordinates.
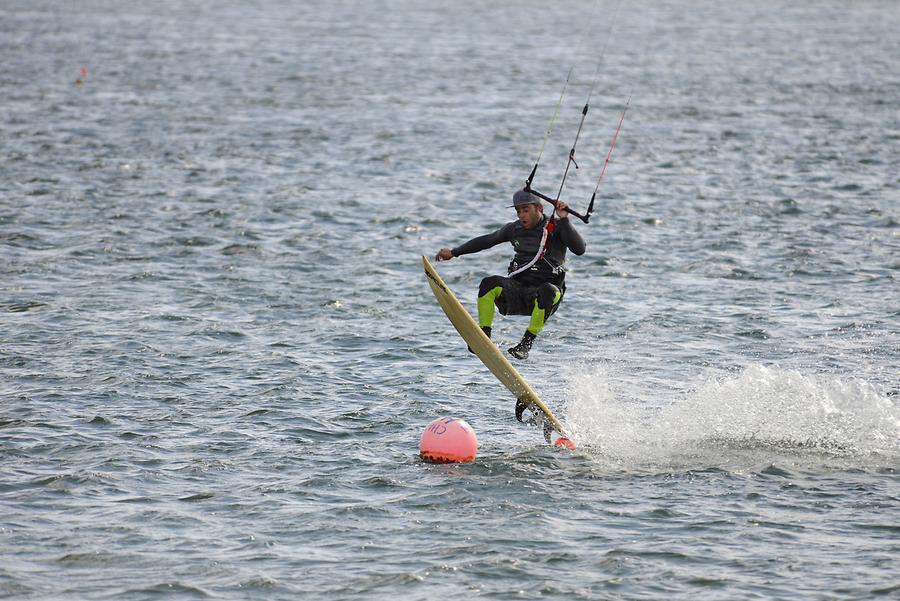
{"type": "Point", "coordinates": [445, 254]}
{"type": "Point", "coordinates": [561, 209]}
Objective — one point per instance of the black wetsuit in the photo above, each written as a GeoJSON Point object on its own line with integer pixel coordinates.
{"type": "Point", "coordinates": [542, 281]}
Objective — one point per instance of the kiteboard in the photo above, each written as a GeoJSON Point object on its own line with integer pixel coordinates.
{"type": "Point", "coordinates": [493, 357]}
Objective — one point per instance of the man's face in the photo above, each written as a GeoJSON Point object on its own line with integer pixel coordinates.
{"type": "Point", "coordinates": [529, 215]}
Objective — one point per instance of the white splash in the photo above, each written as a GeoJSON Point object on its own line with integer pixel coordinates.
{"type": "Point", "coordinates": [733, 417]}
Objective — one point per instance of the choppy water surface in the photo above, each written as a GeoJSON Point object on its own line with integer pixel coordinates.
{"type": "Point", "coordinates": [218, 351]}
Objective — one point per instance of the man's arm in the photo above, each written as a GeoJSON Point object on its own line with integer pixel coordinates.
{"type": "Point", "coordinates": [569, 236]}
{"type": "Point", "coordinates": [567, 233]}
{"type": "Point", "coordinates": [475, 244]}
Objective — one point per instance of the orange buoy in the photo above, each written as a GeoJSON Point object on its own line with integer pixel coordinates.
{"type": "Point", "coordinates": [448, 440]}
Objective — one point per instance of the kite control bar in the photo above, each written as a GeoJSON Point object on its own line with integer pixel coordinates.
{"type": "Point", "coordinates": [585, 218]}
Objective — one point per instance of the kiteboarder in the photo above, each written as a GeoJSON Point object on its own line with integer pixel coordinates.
{"type": "Point", "coordinates": [535, 281]}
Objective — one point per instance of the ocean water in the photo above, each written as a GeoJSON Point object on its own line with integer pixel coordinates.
{"type": "Point", "coordinates": [218, 350]}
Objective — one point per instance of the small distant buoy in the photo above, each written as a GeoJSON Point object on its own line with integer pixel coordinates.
{"type": "Point", "coordinates": [562, 441]}
{"type": "Point", "coordinates": [448, 440]}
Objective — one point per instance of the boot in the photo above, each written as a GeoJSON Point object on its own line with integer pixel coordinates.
{"type": "Point", "coordinates": [520, 351]}
{"type": "Point", "coordinates": [486, 330]}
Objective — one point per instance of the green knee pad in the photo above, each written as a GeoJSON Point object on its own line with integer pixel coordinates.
{"type": "Point", "coordinates": [486, 306]}
{"type": "Point", "coordinates": [538, 315]}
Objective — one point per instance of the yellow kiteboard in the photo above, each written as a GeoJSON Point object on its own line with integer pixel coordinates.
{"type": "Point", "coordinates": [491, 356]}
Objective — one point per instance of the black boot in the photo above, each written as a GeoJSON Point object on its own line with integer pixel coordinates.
{"type": "Point", "coordinates": [520, 351]}
{"type": "Point", "coordinates": [486, 330]}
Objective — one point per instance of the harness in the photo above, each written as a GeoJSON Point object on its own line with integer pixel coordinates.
{"type": "Point", "coordinates": [542, 249]}
{"type": "Point", "coordinates": [557, 270]}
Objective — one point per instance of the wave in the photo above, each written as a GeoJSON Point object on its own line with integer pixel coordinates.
{"type": "Point", "coordinates": [736, 421]}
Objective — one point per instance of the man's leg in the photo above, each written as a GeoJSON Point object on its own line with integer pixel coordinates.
{"type": "Point", "coordinates": [489, 292]}
{"type": "Point", "coordinates": [545, 304]}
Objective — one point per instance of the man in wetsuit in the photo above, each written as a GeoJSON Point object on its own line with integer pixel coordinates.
{"type": "Point", "coordinates": [535, 282]}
